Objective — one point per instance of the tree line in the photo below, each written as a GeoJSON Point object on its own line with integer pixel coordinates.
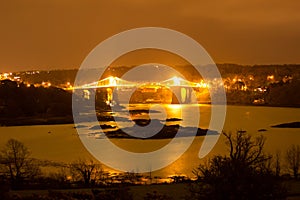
{"type": "Point", "coordinates": [18, 100]}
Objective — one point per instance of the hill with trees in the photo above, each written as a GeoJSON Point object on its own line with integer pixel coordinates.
{"type": "Point", "coordinates": [22, 105]}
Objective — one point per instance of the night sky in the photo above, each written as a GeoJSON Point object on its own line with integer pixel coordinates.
{"type": "Point", "coordinates": [58, 34]}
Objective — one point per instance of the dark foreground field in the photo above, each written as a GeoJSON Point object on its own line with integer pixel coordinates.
{"type": "Point", "coordinates": [161, 191]}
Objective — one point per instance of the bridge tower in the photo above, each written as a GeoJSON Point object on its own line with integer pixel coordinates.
{"type": "Point", "coordinates": [181, 95]}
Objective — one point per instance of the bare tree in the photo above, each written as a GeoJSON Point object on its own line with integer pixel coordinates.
{"type": "Point", "coordinates": [244, 173]}
{"type": "Point", "coordinates": [293, 159]}
{"type": "Point", "coordinates": [86, 171]}
{"type": "Point", "coordinates": [245, 149]}
{"type": "Point", "coordinates": [277, 163]}
{"type": "Point", "coordinates": [17, 164]}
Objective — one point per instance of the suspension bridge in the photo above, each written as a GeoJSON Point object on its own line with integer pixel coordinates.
{"type": "Point", "coordinates": [118, 82]}
{"type": "Point", "coordinates": [181, 88]}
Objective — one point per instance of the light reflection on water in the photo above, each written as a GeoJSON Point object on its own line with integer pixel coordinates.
{"type": "Point", "coordinates": [61, 142]}
{"type": "Point", "coordinates": [172, 111]}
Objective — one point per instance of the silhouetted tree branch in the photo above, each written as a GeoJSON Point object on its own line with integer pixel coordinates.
{"type": "Point", "coordinates": [293, 159]}
{"type": "Point", "coordinates": [87, 171]}
{"type": "Point", "coordinates": [17, 164]}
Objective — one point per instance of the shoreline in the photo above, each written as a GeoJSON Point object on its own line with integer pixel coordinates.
{"type": "Point", "coordinates": [255, 105]}
{"type": "Point", "coordinates": [35, 121]}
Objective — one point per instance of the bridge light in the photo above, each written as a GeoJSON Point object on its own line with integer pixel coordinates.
{"type": "Point", "coordinates": [202, 84]}
{"type": "Point", "coordinates": [112, 81]}
{"type": "Point", "coordinates": [176, 80]}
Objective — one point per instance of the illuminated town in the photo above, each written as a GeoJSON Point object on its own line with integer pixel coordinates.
{"type": "Point", "coordinates": [241, 88]}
